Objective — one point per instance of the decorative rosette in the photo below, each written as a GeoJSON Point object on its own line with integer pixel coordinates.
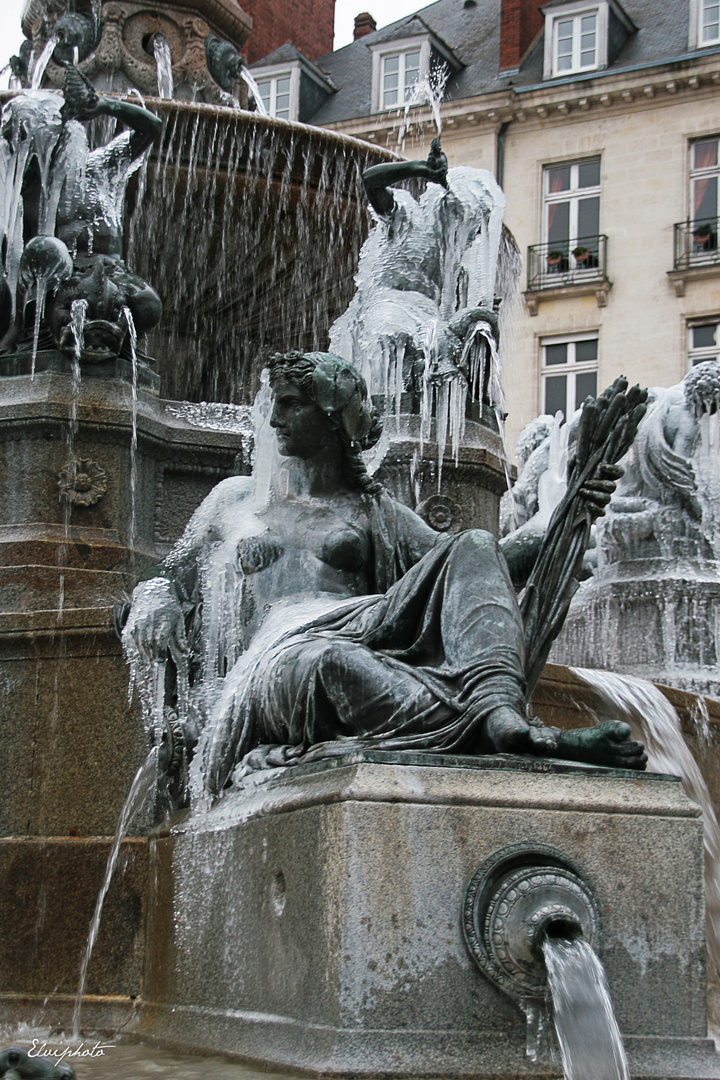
{"type": "Point", "coordinates": [82, 482]}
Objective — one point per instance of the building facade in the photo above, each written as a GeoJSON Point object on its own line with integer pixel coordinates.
{"type": "Point", "coordinates": [602, 123]}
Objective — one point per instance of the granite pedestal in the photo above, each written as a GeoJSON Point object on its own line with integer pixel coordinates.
{"type": "Point", "coordinates": [314, 921]}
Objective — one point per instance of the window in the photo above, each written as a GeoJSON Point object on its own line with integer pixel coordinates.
{"type": "Point", "coordinates": [704, 175]}
{"type": "Point", "coordinates": [703, 342]}
{"type": "Point", "coordinates": [569, 373]}
{"type": "Point", "coordinates": [577, 36]}
{"type": "Point", "coordinates": [709, 22]}
{"type": "Point", "coordinates": [275, 92]}
{"type": "Point", "coordinates": [571, 214]}
{"type": "Point", "coordinates": [400, 73]}
{"type": "Point", "coordinates": [575, 43]}
{"type": "Point", "coordinates": [398, 67]}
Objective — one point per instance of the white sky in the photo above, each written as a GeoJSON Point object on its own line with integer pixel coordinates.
{"type": "Point", "coordinates": [384, 11]}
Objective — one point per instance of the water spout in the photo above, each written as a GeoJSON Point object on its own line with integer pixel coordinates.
{"type": "Point", "coordinates": [163, 60]}
{"type": "Point", "coordinates": [254, 90]}
{"type": "Point", "coordinates": [42, 62]}
{"type": "Point", "coordinates": [590, 1041]}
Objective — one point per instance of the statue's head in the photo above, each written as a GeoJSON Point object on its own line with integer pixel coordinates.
{"type": "Point", "coordinates": [320, 400]}
{"type": "Point", "coordinates": [702, 388]}
{"type": "Point", "coordinates": [336, 388]}
{"type": "Point", "coordinates": [32, 123]}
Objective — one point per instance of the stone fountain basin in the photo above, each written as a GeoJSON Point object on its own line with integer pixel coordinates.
{"type": "Point", "coordinates": [315, 922]}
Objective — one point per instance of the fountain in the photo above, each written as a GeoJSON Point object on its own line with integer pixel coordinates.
{"type": "Point", "coordinates": [342, 888]}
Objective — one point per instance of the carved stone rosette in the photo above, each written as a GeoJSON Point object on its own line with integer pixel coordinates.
{"type": "Point", "coordinates": [82, 482]}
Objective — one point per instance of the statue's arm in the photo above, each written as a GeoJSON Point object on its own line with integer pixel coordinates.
{"type": "Point", "coordinates": [82, 102]}
{"type": "Point", "coordinates": [144, 125]}
{"type": "Point", "coordinates": [156, 617]}
{"type": "Point", "coordinates": [379, 178]}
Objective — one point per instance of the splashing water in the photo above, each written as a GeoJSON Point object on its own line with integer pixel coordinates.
{"type": "Point", "coordinates": [42, 62]}
{"type": "Point", "coordinates": [654, 720]}
{"type": "Point", "coordinates": [429, 91]}
{"type": "Point", "coordinates": [163, 61]}
{"type": "Point", "coordinates": [590, 1040]}
{"type": "Point", "coordinates": [140, 789]}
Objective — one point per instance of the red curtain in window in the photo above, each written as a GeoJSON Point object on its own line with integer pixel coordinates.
{"type": "Point", "coordinates": [704, 156]}
{"type": "Point", "coordinates": [555, 184]}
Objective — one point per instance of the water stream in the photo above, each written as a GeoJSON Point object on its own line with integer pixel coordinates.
{"type": "Point", "coordinates": [654, 721]}
{"type": "Point", "coordinates": [163, 60]}
{"type": "Point", "coordinates": [590, 1042]}
{"type": "Point", "coordinates": [142, 786]}
{"type": "Point", "coordinates": [42, 62]}
{"type": "Point", "coordinates": [254, 89]}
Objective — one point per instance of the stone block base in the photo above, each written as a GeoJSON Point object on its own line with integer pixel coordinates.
{"type": "Point", "coordinates": [314, 921]}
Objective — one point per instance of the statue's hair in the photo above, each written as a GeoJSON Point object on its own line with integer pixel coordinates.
{"type": "Point", "coordinates": [301, 369]}
{"type": "Point", "coordinates": [702, 388]}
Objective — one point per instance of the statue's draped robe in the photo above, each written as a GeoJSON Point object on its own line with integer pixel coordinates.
{"type": "Point", "coordinates": [418, 665]}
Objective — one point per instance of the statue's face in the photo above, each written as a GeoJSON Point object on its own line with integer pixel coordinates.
{"type": "Point", "coordinates": [302, 429]}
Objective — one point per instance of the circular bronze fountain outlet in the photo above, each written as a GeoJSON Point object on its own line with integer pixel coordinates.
{"type": "Point", "coordinates": [515, 899]}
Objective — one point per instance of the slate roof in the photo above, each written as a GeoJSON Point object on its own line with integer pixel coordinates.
{"type": "Point", "coordinates": [473, 36]}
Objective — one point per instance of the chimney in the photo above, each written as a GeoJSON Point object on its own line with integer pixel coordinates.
{"type": "Point", "coordinates": [365, 24]}
{"type": "Point", "coordinates": [520, 23]}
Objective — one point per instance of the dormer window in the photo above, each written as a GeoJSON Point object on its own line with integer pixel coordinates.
{"type": "Point", "coordinates": [708, 23]}
{"type": "Point", "coordinates": [291, 86]}
{"type": "Point", "coordinates": [583, 36]}
{"type": "Point", "coordinates": [400, 73]}
{"type": "Point", "coordinates": [276, 94]}
{"type": "Point", "coordinates": [399, 63]}
{"type": "Point", "coordinates": [576, 43]}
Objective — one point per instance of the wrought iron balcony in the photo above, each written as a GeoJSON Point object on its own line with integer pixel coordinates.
{"type": "Point", "coordinates": [573, 262]}
{"type": "Point", "coordinates": [696, 243]}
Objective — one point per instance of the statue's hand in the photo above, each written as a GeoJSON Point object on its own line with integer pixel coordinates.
{"type": "Point", "coordinates": [82, 101]}
{"type": "Point", "coordinates": [155, 623]}
{"type": "Point", "coordinates": [598, 493]}
{"type": "Point", "coordinates": [437, 164]}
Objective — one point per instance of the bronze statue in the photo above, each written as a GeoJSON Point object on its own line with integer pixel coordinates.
{"type": "Point", "coordinates": [330, 617]}
{"type": "Point", "coordinates": [62, 193]}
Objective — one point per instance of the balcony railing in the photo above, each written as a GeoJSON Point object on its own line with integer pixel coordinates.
{"type": "Point", "coordinates": [573, 262]}
{"type": "Point", "coordinates": [696, 243]}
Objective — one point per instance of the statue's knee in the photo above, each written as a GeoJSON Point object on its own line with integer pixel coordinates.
{"type": "Point", "coordinates": [474, 543]}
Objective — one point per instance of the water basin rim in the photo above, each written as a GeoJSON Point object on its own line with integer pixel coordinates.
{"type": "Point", "coordinates": [229, 112]}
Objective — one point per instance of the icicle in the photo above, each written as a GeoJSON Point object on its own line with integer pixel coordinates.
{"type": "Point", "coordinates": [40, 295]}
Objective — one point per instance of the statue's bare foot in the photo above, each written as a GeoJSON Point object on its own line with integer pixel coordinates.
{"type": "Point", "coordinates": [608, 744]}
{"type": "Point", "coordinates": [510, 733]}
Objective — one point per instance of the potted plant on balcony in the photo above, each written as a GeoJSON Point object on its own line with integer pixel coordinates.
{"type": "Point", "coordinates": [556, 261]}
{"type": "Point", "coordinates": [585, 258]}
{"type": "Point", "coordinates": [703, 236]}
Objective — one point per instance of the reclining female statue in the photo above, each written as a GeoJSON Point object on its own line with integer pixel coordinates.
{"type": "Point", "coordinates": [333, 618]}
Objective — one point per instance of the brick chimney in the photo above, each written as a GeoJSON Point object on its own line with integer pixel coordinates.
{"type": "Point", "coordinates": [520, 23]}
{"type": "Point", "coordinates": [364, 24]}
